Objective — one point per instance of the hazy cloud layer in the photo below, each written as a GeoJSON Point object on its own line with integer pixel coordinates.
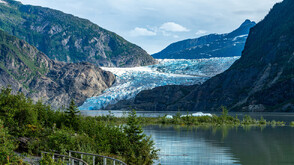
{"type": "Point", "coordinates": [200, 32]}
{"type": "Point", "coordinates": [153, 24]}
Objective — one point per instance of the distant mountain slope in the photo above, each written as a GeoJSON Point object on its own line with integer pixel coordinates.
{"type": "Point", "coordinates": [261, 80]}
{"type": "Point", "coordinates": [64, 37]}
{"type": "Point", "coordinates": [213, 45]}
{"type": "Point", "coordinates": [28, 70]}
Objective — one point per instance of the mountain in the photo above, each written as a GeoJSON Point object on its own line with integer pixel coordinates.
{"type": "Point", "coordinates": [67, 38]}
{"type": "Point", "coordinates": [28, 70]}
{"type": "Point", "coordinates": [213, 45]}
{"type": "Point", "coordinates": [261, 80]}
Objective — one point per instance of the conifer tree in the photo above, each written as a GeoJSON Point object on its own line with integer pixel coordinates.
{"type": "Point", "coordinates": [141, 148]}
{"type": "Point", "coordinates": [72, 114]}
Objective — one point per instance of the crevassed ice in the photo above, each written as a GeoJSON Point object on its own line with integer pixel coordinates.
{"type": "Point", "coordinates": [130, 81]}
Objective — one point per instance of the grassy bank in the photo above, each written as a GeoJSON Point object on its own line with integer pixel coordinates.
{"type": "Point", "coordinates": [188, 120]}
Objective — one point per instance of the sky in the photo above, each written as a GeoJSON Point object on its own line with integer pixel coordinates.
{"type": "Point", "coordinates": [154, 24]}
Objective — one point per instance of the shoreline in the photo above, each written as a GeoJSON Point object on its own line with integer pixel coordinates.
{"type": "Point", "coordinates": [222, 119]}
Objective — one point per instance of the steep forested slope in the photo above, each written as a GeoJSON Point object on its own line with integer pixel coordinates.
{"type": "Point", "coordinates": [64, 37]}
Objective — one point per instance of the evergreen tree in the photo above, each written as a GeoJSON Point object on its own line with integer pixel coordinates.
{"type": "Point", "coordinates": [140, 147]}
{"type": "Point", "coordinates": [133, 129]}
{"type": "Point", "coordinates": [72, 115]}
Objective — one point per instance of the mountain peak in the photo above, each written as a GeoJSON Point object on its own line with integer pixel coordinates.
{"type": "Point", "coordinates": [247, 22]}
{"type": "Point", "coordinates": [243, 29]}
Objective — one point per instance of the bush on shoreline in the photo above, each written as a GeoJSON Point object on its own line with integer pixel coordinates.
{"type": "Point", "coordinates": [189, 120]}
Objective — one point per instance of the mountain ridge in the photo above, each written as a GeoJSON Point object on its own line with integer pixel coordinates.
{"type": "Point", "coordinates": [212, 45]}
{"type": "Point", "coordinates": [68, 38]}
{"type": "Point", "coordinates": [25, 69]}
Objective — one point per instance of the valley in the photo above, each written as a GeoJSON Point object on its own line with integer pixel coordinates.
{"type": "Point", "coordinates": [214, 94]}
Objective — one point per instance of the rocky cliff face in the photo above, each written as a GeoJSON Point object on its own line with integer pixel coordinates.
{"type": "Point", "coordinates": [30, 71]}
{"type": "Point", "coordinates": [67, 38]}
{"type": "Point", "coordinates": [262, 80]}
{"type": "Point", "coordinates": [213, 45]}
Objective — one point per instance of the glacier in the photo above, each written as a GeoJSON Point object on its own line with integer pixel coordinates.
{"type": "Point", "coordinates": [131, 81]}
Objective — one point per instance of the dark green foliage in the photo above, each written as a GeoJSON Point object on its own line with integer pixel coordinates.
{"type": "Point", "coordinates": [133, 129]}
{"type": "Point", "coordinates": [72, 115]}
{"type": "Point", "coordinates": [262, 121]}
{"type": "Point", "coordinates": [7, 147]}
{"type": "Point", "coordinates": [16, 111]}
{"type": "Point", "coordinates": [225, 112]}
{"type": "Point", "coordinates": [138, 143]}
{"type": "Point", "coordinates": [47, 160]}
{"type": "Point", "coordinates": [49, 130]}
{"type": "Point", "coordinates": [247, 120]}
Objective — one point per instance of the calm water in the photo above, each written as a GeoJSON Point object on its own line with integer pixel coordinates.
{"type": "Point", "coordinates": [226, 146]}
{"type": "Point", "coordinates": [221, 146]}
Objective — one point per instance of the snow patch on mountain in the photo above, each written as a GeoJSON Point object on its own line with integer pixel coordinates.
{"type": "Point", "coordinates": [241, 36]}
{"type": "Point", "coordinates": [1, 1]}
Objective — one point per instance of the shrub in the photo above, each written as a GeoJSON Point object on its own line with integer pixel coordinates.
{"type": "Point", "coordinates": [7, 146]}
{"type": "Point", "coordinates": [47, 160]}
{"type": "Point", "coordinates": [262, 121]}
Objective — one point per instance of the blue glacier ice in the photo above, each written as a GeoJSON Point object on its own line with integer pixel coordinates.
{"type": "Point", "coordinates": [130, 81]}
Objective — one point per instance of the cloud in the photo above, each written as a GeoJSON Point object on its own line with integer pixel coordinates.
{"type": "Point", "coordinates": [176, 36]}
{"type": "Point", "coordinates": [173, 27]}
{"type": "Point", "coordinates": [200, 32]}
{"type": "Point", "coordinates": [142, 32]}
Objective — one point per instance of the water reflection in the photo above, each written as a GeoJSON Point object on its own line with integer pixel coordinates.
{"type": "Point", "coordinates": [224, 146]}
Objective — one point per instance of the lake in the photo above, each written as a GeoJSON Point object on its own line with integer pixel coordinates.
{"type": "Point", "coordinates": [221, 146]}
{"type": "Point", "coordinates": [224, 146]}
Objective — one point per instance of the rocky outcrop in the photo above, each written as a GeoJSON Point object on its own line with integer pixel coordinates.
{"type": "Point", "coordinates": [261, 80]}
{"type": "Point", "coordinates": [156, 99]}
{"type": "Point", "coordinates": [213, 45]}
{"type": "Point", "coordinates": [28, 70]}
{"type": "Point", "coordinates": [64, 82]}
{"type": "Point", "coordinates": [67, 38]}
